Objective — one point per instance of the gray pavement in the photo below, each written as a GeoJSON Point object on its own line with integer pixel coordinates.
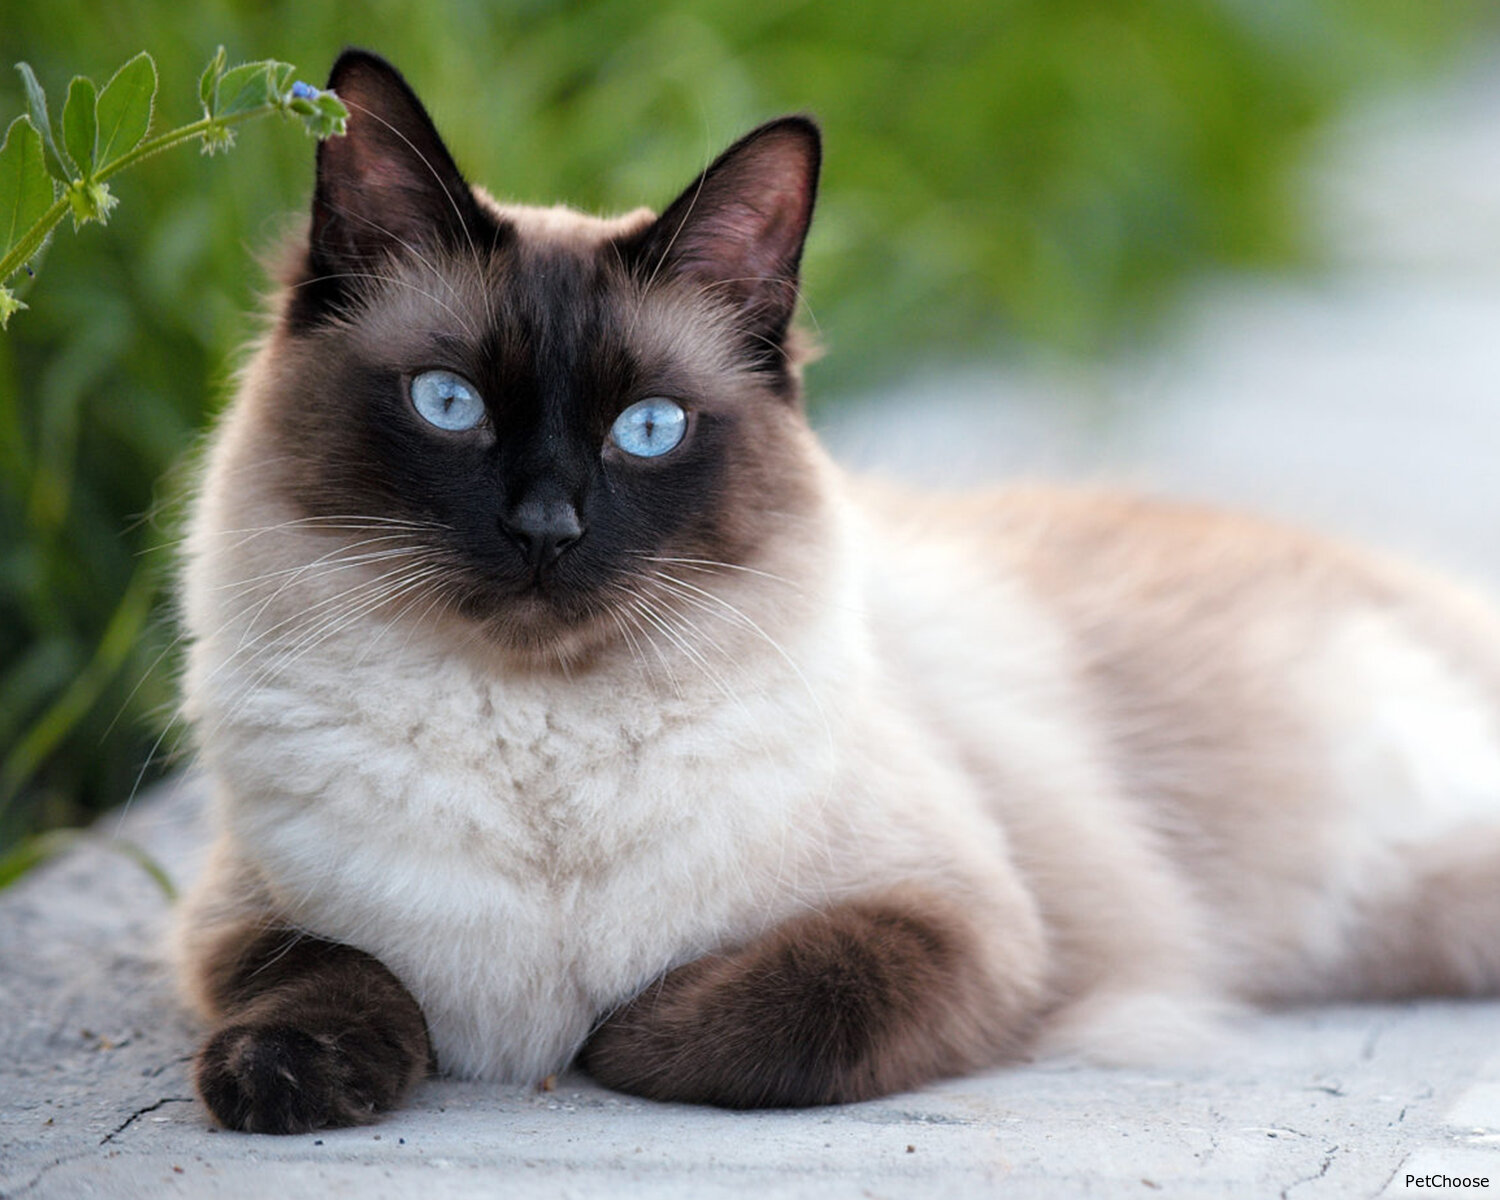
{"type": "Point", "coordinates": [1367, 402]}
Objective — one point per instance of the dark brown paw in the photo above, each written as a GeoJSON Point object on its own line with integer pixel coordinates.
{"type": "Point", "coordinates": [279, 1079]}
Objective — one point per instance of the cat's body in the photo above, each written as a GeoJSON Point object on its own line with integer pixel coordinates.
{"type": "Point", "coordinates": [836, 788]}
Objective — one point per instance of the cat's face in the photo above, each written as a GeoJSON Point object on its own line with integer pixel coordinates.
{"type": "Point", "coordinates": [551, 405]}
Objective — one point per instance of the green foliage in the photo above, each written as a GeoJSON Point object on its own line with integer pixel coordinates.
{"type": "Point", "coordinates": [1000, 173]}
{"type": "Point", "coordinates": [121, 115]}
{"type": "Point", "coordinates": [25, 195]}
{"type": "Point", "coordinates": [125, 106]}
{"type": "Point", "coordinates": [39, 847]}
{"type": "Point", "coordinates": [80, 127]}
{"type": "Point", "coordinates": [51, 693]}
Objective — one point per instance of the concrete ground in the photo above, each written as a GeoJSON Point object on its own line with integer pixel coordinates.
{"type": "Point", "coordinates": [1367, 403]}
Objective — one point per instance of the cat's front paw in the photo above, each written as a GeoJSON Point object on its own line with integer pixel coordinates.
{"type": "Point", "coordinates": [858, 1002]}
{"type": "Point", "coordinates": [276, 1078]}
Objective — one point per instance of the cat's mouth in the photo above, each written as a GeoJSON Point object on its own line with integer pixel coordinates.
{"type": "Point", "coordinates": [540, 598]}
{"type": "Point", "coordinates": [540, 618]}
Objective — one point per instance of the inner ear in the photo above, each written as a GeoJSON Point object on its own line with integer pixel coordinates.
{"type": "Point", "coordinates": [389, 184]}
{"type": "Point", "coordinates": [739, 229]}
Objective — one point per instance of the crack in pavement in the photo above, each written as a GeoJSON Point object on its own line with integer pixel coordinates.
{"type": "Point", "coordinates": [31, 1184]}
{"type": "Point", "coordinates": [141, 1112]}
{"type": "Point", "coordinates": [1322, 1171]}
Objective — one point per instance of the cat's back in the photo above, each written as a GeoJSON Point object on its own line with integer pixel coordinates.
{"type": "Point", "coordinates": [1170, 584]}
{"type": "Point", "coordinates": [1294, 716]}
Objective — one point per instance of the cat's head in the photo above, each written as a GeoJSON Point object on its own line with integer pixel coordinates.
{"type": "Point", "coordinates": [557, 410]}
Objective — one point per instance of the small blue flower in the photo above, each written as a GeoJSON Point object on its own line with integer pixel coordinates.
{"type": "Point", "coordinates": [304, 91]}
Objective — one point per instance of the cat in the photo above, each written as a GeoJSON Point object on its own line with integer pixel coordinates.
{"type": "Point", "coordinates": [562, 701]}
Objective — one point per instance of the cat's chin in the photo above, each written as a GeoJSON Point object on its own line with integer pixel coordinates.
{"type": "Point", "coordinates": [536, 632]}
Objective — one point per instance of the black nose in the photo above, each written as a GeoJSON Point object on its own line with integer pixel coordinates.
{"type": "Point", "coordinates": [543, 529]}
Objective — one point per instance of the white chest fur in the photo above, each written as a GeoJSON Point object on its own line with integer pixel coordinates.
{"type": "Point", "coordinates": [523, 853]}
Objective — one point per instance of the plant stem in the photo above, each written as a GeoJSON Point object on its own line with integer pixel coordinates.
{"type": "Point", "coordinates": [166, 141]}
{"type": "Point", "coordinates": [32, 241]}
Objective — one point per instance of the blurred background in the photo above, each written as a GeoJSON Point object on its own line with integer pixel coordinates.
{"type": "Point", "coordinates": [1075, 235]}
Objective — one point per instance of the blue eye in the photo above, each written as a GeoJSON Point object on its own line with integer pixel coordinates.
{"type": "Point", "coordinates": [446, 400]}
{"type": "Point", "coordinates": [650, 427]}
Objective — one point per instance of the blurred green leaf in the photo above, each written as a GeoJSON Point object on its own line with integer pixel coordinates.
{"type": "Point", "coordinates": [36, 105]}
{"type": "Point", "coordinates": [53, 726]}
{"type": "Point", "coordinates": [31, 679]}
{"type": "Point", "coordinates": [25, 186]}
{"type": "Point", "coordinates": [124, 108]}
{"type": "Point", "coordinates": [80, 126]}
{"type": "Point", "coordinates": [43, 847]}
{"type": "Point", "coordinates": [208, 82]}
{"type": "Point", "coordinates": [253, 85]}
{"type": "Point", "coordinates": [33, 851]}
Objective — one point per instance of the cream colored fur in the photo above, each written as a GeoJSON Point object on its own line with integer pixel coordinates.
{"type": "Point", "coordinates": [1167, 760]}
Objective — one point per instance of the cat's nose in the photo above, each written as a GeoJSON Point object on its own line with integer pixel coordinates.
{"type": "Point", "coordinates": [543, 529]}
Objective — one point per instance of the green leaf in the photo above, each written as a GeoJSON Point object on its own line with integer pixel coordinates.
{"type": "Point", "coordinates": [25, 186]}
{"type": "Point", "coordinates": [124, 108]}
{"type": "Point", "coordinates": [36, 105]}
{"type": "Point", "coordinates": [31, 853]}
{"type": "Point", "coordinates": [80, 128]}
{"type": "Point", "coordinates": [240, 86]}
{"type": "Point", "coordinates": [253, 85]}
{"type": "Point", "coordinates": [52, 729]}
{"type": "Point", "coordinates": [208, 82]}
{"type": "Point", "coordinates": [37, 849]}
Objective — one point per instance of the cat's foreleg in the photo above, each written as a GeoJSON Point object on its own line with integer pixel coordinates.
{"type": "Point", "coordinates": [307, 1033]}
{"type": "Point", "coordinates": [311, 1034]}
{"type": "Point", "coordinates": [868, 998]}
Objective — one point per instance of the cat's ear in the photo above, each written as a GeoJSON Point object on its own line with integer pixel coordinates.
{"type": "Point", "coordinates": [389, 183]}
{"type": "Point", "coordinates": [738, 231]}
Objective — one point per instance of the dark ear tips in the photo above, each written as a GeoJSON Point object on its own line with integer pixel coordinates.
{"type": "Point", "coordinates": [790, 149]}
{"type": "Point", "coordinates": [354, 60]}
{"type": "Point", "coordinates": [738, 230]}
{"type": "Point", "coordinates": [388, 186]}
{"type": "Point", "coordinates": [372, 87]}
{"type": "Point", "coordinates": [797, 127]}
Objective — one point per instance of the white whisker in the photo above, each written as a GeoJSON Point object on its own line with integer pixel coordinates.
{"type": "Point", "coordinates": [711, 603]}
{"type": "Point", "coordinates": [712, 564]}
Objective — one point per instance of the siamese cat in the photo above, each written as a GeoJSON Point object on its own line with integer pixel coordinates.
{"type": "Point", "coordinates": [563, 701]}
